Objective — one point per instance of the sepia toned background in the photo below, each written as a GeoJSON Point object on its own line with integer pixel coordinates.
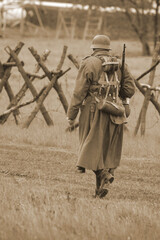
{"type": "Point", "coordinates": [41, 195]}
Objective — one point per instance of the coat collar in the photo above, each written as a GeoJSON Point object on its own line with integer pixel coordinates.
{"type": "Point", "coordinates": [100, 52]}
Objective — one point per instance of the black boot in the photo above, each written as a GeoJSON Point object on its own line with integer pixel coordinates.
{"type": "Point", "coordinates": [101, 193]}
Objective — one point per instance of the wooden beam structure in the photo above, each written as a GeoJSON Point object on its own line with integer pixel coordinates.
{"type": "Point", "coordinates": [30, 86]}
{"type": "Point", "coordinates": [53, 79]}
{"type": "Point", "coordinates": [93, 24]}
{"type": "Point", "coordinates": [22, 91]}
{"type": "Point", "coordinates": [142, 116]}
{"type": "Point", "coordinates": [53, 76]}
{"type": "Point", "coordinates": [66, 24]}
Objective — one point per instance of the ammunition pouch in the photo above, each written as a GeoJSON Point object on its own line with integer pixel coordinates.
{"type": "Point", "coordinates": [115, 110]}
{"type": "Point", "coordinates": [118, 120]}
{"type": "Point", "coordinates": [111, 108]}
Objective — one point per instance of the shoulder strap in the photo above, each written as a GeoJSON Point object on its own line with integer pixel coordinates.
{"type": "Point", "coordinates": [86, 57]}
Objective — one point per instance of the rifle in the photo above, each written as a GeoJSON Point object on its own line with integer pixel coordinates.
{"type": "Point", "coordinates": [126, 100]}
{"type": "Point", "coordinates": [123, 63]}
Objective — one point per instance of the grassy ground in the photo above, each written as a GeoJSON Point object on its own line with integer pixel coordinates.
{"type": "Point", "coordinates": [41, 196]}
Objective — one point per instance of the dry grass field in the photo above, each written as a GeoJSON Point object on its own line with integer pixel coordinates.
{"type": "Point", "coordinates": [41, 195]}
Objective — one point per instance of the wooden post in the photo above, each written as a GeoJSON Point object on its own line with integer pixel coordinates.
{"type": "Point", "coordinates": [11, 97]}
{"type": "Point", "coordinates": [42, 98]}
{"type": "Point", "coordinates": [93, 24]}
{"type": "Point", "coordinates": [24, 88]}
{"type": "Point", "coordinates": [8, 70]}
{"type": "Point", "coordinates": [73, 60]}
{"type": "Point", "coordinates": [39, 18]}
{"type": "Point", "coordinates": [56, 86]}
{"type": "Point", "coordinates": [22, 20]}
{"type": "Point", "coordinates": [7, 73]}
{"type": "Point", "coordinates": [66, 24]}
{"type": "Point", "coordinates": [152, 97]}
{"type": "Point", "coordinates": [62, 58]}
{"type": "Point", "coordinates": [147, 98]}
{"type": "Point", "coordinates": [76, 64]}
{"type": "Point", "coordinates": [1, 21]}
{"type": "Point", "coordinates": [31, 87]}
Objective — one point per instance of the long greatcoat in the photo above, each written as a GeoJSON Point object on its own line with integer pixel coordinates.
{"type": "Point", "coordinates": [100, 139]}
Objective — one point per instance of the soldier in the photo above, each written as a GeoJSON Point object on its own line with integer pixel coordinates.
{"type": "Point", "coordinates": [100, 132]}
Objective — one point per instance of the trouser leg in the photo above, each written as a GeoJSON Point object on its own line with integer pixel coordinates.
{"type": "Point", "coordinates": [98, 178]}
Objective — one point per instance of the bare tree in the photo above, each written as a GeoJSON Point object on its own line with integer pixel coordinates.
{"type": "Point", "coordinates": [138, 14]}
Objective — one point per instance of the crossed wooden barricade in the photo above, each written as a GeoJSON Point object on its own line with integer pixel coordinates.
{"type": "Point", "coordinates": [53, 76]}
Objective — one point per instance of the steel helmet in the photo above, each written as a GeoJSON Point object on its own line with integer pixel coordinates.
{"type": "Point", "coordinates": [101, 41]}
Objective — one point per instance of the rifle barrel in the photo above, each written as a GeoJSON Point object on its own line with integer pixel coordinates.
{"type": "Point", "coordinates": [123, 63]}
